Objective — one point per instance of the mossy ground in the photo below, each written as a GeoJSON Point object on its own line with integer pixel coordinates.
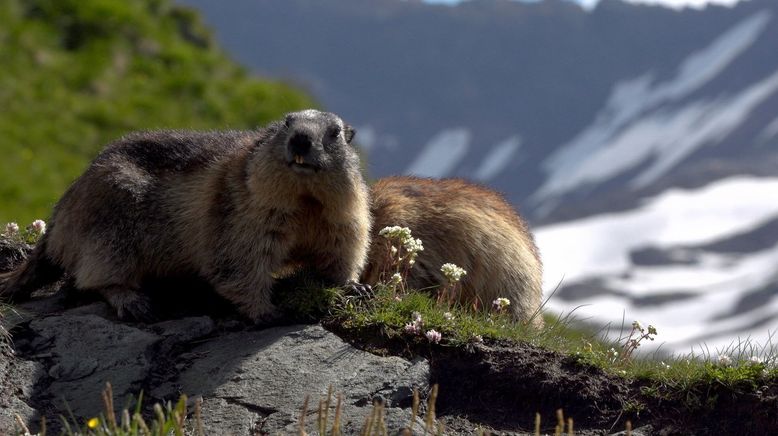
{"type": "Point", "coordinates": [519, 368]}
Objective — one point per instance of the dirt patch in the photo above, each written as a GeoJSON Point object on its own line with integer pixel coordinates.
{"type": "Point", "coordinates": [501, 385]}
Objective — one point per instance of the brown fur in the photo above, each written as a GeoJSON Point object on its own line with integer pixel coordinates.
{"type": "Point", "coordinates": [232, 207]}
{"type": "Point", "coordinates": [465, 224]}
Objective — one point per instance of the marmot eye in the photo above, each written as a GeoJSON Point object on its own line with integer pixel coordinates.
{"type": "Point", "coordinates": [334, 132]}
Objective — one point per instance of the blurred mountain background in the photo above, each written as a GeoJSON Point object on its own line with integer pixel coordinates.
{"type": "Point", "coordinates": [642, 141]}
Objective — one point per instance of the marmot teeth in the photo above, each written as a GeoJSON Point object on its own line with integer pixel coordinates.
{"type": "Point", "coordinates": [299, 159]}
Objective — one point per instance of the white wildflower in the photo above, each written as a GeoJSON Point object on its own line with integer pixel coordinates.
{"type": "Point", "coordinates": [411, 328]}
{"type": "Point", "coordinates": [416, 317]}
{"type": "Point", "coordinates": [38, 226]}
{"type": "Point", "coordinates": [448, 316]}
{"type": "Point", "coordinates": [500, 303]}
{"type": "Point", "coordinates": [452, 272]}
{"type": "Point", "coordinates": [652, 331]}
{"type": "Point", "coordinates": [433, 336]}
{"type": "Point", "coordinates": [636, 325]}
{"type": "Point", "coordinates": [395, 232]}
{"type": "Point", "coordinates": [396, 279]}
{"type": "Point", "coordinates": [756, 360]}
{"type": "Point", "coordinates": [614, 352]}
{"type": "Point", "coordinates": [11, 229]}
{"type": "Point", "coordinates": [393, 250]}
{"type": "Point", "coordinates": [478, 338]}
{"type": "Point", "coordinates": [724, 360]}
{"type": "Point", "coordinates": [413, 245]}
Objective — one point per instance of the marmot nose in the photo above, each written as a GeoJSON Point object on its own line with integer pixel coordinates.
{"type": "Point", "coordinates": [300, 144]}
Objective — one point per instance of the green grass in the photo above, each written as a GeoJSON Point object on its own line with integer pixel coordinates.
{"type": "Point", "coordinates": [79, 73]}
{"type": "Point", "coordinates": [688, 379]}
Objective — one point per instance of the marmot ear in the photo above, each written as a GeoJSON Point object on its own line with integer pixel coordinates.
{"type": "Point", "coordinates": [348, 133]}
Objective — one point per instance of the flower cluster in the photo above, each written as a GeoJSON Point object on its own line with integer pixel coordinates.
{"type": "Point", "coordinates": [38, 226]}
{"type": "Point", "coordinates": [433, 336]}
{"type": "Point", "coordinates": [613, 355]}
{"type": "Point", "coordinates": [500, 304]}
{"type": "Point", "coordinates": [724, 360]}
{"type": "Point", "coordinates": [11, 229]}
{"type": "Point", "coordinates": [414, 327]}
{"type": "Point", "coordinates": [29, 235]}
{"type": "Point", "coordinates": [452, 272]}
{"type": "Point", "coordinates": [409, 247]}
{"type": "Point", "coordinates": [636, 336]}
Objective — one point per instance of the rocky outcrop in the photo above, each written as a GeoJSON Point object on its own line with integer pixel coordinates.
{"type": "Point", "coordinates": [250, 380]}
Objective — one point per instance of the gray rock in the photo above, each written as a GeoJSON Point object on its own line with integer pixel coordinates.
{"type": "Point", "coordinates": [269, 373]}
{"type": "Point", "coordinates": [86, 351]}
{"type": "Point", "coordinates": [12, 253]}
{"type": "Point", "coordinates": [17, 381]}
{"type": "Point", "coordinates": [646, 430]}
{"type": "Point", "coordinates": [186, 329]}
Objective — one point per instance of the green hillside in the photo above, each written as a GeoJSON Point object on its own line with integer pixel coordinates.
{"type": "Point", "coordinates": [77, 74]}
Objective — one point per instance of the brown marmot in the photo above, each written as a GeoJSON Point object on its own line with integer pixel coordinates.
{"type": "Point", "coordinates": [465, 224]}
{"type": "Point", "coordinates": [231, 207]}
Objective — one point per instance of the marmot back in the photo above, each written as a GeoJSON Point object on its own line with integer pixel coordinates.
{"type": "Point", "coordinates": [465, 224]}
{"type": "Point", "coordinates": [232, 207]}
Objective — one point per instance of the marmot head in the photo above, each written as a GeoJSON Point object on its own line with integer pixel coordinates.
{"type": "Point", "coordinates": [313, 141]}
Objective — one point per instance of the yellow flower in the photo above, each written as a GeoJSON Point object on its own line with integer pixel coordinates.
{"type": "Point", "coordinates": [93, 423]}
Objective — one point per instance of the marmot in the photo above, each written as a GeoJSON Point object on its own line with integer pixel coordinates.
{"type": "Point", "coordinates": [232, 207]}
{"type": "Point", "coordinates": [465, 224]}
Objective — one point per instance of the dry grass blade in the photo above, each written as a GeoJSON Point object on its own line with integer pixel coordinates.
{"type": "Point", "coordinates": [570, 430]}
{"type": "Point", "coordinates": [327, 409]}
{"type": "Point", "coordinates": [414, 409]}
{"type": "Point", "coordinates": [628, 428]}
{"type": "Point", "coordinates": [560, 425]}
{"type": "Point", "coordinates": [21, 424]}
{"type": "Point", "coordinates": [142, 424]}
{"type": "Point", "coordinates": [430, 418]}
{"type": "Point", "coordinates": [368, 424]}
{"type": "Point", "coordinates": [160, 414]}
{"type": "Point", "coordinates": [336, 420]}
{"type": "Point", "coordinates": [321, 425]}
{"type": "Point", "coordinates": [198, 413]}
{"type": "Point", "coordinates": [537, 424]}
{"type": "Point", "coordinates": [110, 412]}
{"type": "Point", "coordinates": [301, 429]}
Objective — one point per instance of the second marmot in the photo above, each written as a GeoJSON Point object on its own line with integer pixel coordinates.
{"type": "Point", "coordinates": [465, 224]}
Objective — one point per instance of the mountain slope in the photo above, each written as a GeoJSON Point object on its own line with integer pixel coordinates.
{"type": "Point", "coordinates": [551, 104]}
{"type": "Point", "coordinates": [77, 74]}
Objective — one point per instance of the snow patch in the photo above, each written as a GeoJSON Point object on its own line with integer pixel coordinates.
{"type": "Point", "coordinates": [498, 159]}
{"type": "Point", "coordinates": [635, 98]}
{"type": "Point", "coordinates": [600, 245]}
{"type": "Point", "coordinates": [769, 132]}
{"type": "Point", "coordinates": [598, 248]}
{"type": "Point", "coordinates": [441, 154]}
